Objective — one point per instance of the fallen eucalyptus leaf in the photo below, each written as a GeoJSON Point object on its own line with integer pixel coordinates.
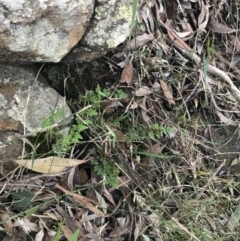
{"type": "Point", "coordinates": [139, 41]}
{"type": "Point", "coordinates": [203, 17]}
{"type": "Point", "coordinates": [67, 232]}
{"type": "Point", "coordinates": [49, 165]}
{"type": "Point", "coordinates": [183, 34]}
{"type": "Point", "coordinates": [217, 27]}
{"type": "Point", "coordinates": [172, 35]}
{"type": "Point", "coordinates": [134, 105]}
{"type": "Point", "coordinates": [39, 236]}
{"type": "Point", "coordinates": [147, 17]}
{"type": "Point", "coordinates": [156, 86]}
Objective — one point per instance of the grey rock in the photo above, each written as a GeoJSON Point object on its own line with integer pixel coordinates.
{"type": "Point", "coordinates": [41, 30]}
{"type": "Point", "coordinates": [24, 102]}
{"type": "Point", "coordinates": [47, 31]}
{"type": "Point", "coordinates": [110, 26]}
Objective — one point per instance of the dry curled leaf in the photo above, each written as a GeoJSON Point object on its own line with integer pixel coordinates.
{"type": "Point", "coordinates": [67, 232]}
{"type": "Point", "coordinates": [139, 41]}
{"type": "Point", "coordinates": [39, 236]}
{"type": "Point", "coordinates": [7, 222]}
{"type": "Point", "coordinates": [144, 111]}
{"type": "Point", "coordinates": [203, 17]}
{"type": "Point", "coordinates": [145, 15]}
{"type": "Point", "coordinates": [127, 74]}
{"type": "Point", "coordinates": [174, 36]}
{"type": "Point", "coordinates": [49, 165]}
{"type": "Point", "coordinates": [167, 92]}
{"type": "Point", "coordinates": [143, 91]}
{"type": "Point", "coordinates": [134, 105]}
{"type": "Point", "coordinates": [217, 27]}
{"type": "Point", "coordinates": [183, 34]}
{"type": "Point", "coordinates": [224, 119]}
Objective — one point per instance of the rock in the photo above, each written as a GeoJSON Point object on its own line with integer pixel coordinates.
{"type": "Point", "coordinates": [111, 25]}
{"type": "Point", "coordinates": [47, 31]}
{"type": "Point", "coordinates": [24, 102]}
{"type": "Point", "coordinates": [41, 31]}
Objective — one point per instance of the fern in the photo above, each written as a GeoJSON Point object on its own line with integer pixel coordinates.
{"type": "Point", "coordinates": [108, 172]}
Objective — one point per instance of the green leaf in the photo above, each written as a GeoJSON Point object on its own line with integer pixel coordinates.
{"type": "Point", "coordinates": [106, 93]}
{"type": "Point", "coordinates": [89, 122]}
{"type": "Point", "coordinates": [155, 126]}
{"type": "Point", "coordinates": [91, 112]}
{"type": "Point", "coordinates": [120, 94]}
{"type": "Point", "coordinates": [75, 235]}
{"type": "Point", "coordinates": [134, 10]}
{"type": "Point", "coordinates": [22, 199]}
{"type": "Point", "coordinates": [76, 138]}
{"type": "Point", "coordinates": [59, 231]}
{"type": "Point", "coordinates": [82, 128]}
{"type": "Point", "coordinates": [98, 89]}
{"type": "Point", "coordinates": [30, 211]}
{"type": "Point", "coordinates": [67, 139]}
{"type": "Point", "coordinates": [151, 134]}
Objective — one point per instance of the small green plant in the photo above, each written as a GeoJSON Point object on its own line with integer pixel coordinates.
{"type": "Point", "coordinates": [155, 131]}
{"type": "Point", "coordinates": [50, 126]}
{"type": "Point", "coordinates": [83, 122]}
{"type": "Point", "coordinates": [108, 172]}
{"type": "Point", "coordinates": [89, 118]}
{"type": "Point", "coordinates": [120, 94]}
{"type": "Point", "coordinates": [86, 118]}
{"type": "Point", "coordinates": [159, 130]}
{"type": "Point", "coordinates": [137, 134]}
{"type": "Point", "coordinates": [51, 121]}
